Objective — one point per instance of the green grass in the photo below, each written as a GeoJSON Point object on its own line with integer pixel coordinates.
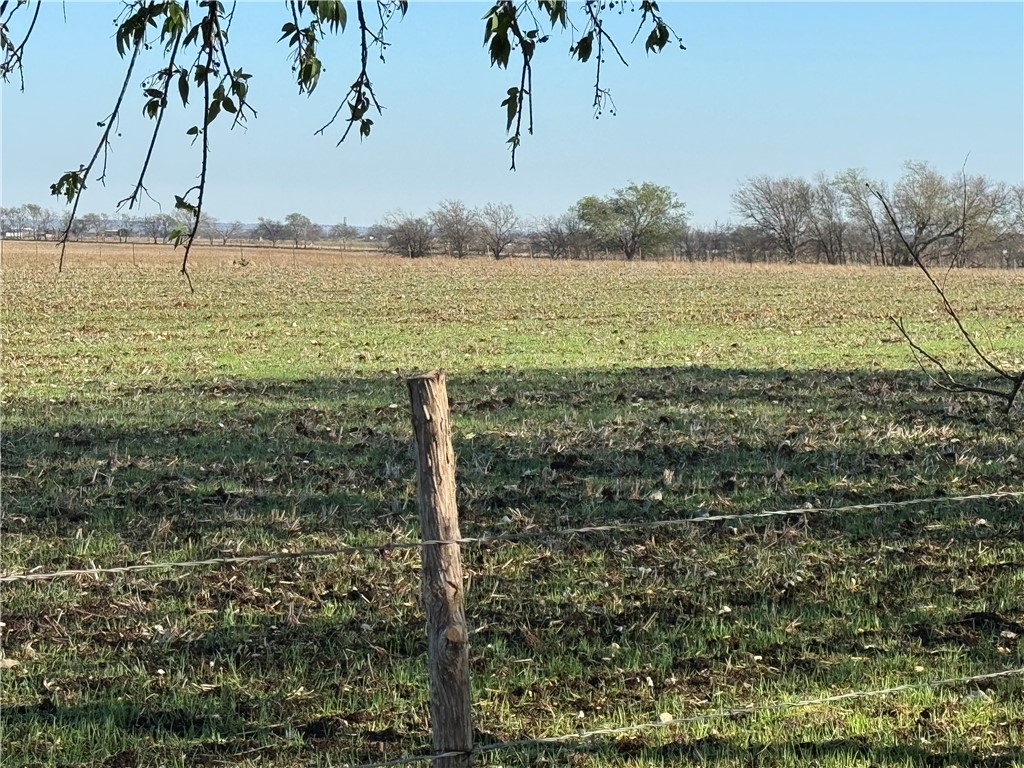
{"type": "Point", "coordinates": [269, 411]}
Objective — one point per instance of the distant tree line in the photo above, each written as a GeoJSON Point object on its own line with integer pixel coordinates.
{"type": "Point", "coordinates": [958, 220]}
{"type": "Point", "coordinates": [635, 222]}
{"type": "Point", "coordinates": [34, 222]}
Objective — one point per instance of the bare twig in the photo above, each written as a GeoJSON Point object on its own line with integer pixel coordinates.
{"type": "Point", "coordinates": [602, 96]}
{"type": "Point", "coordinates": [361, 97]}
{"type": "Point", "coordinates": [1016, 380]}
{"type": "Point", "coordinates": [210, 45]}
{"type": "Point", "coordinates": [75, 181]}
{"type": "Point", "coordinates": [953, 385]}
{"type": "Point", "coordinates": [14, 54]}
{"type": "Point", "coordinates": [166, 74]}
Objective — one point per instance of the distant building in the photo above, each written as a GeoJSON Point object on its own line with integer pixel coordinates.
{"type": "Point", "coordinates": [26, 233]}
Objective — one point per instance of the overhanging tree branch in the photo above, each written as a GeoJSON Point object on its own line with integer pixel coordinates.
{"type": "Point", "coordinates": [308, 24]}
{"type": "Point", "coordinates": [13, 53]}
{"type": "Point", "coordinates": [72, 184]}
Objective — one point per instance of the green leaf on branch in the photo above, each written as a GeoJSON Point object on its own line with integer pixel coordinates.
{"type": "Point", "coordinates": [555, 10]}
{"type": "Point", "coordinates": [184, 205]}
{"type": "Point", "coordinates": [132, 31]}
{"type": "Point", "coordinates": [658, 38]}
{"type": "Point", "coordinates": [584, 47]}
{"type": "Point", "coordinates": [191, 36]}
{"type": "Point", "coordinates": [492, 23]}
{"type": "Point", "coordinates": [500, 49]}
{"type": "Point", "coordinates": [512, 105]}
{"type": "Point", "coordinates": [178, 234]}
{"type": "Point", "coordinates": [183, 87]}
{"type": "Point", "coordinates": [212, 113]}
{"type": "Point", "coordinates": [68, 185]}
{"type": "Point", "coordinates": [331, 12]}
{"type": "Point", "coordinates": [174, 22]}
{"type": "Point", "coordinates": [309, 74]}
{"type": "Point", "coordinates": [499, 21]}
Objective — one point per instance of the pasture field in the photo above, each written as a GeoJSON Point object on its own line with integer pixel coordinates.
{"type": "Point", "coordinates": [268, 411]}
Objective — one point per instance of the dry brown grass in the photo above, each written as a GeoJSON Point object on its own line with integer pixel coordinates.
{"type": "Point", "coordinates": [16, 253]}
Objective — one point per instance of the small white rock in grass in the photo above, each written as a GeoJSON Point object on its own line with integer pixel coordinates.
{"type": "Point", "coordinates": [977, 695]}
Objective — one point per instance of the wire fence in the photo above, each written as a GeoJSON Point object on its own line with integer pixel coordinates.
{"type": "Point", "coordinates": [582, 739]}
{"type": "Point", "coordinates": [668, 722]}
{"type": "Point", "coordinates": [384, 547]}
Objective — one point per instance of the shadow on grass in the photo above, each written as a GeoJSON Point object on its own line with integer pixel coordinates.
{"type": "Point", "coordinates": [216, 737]}
{"type": "Point", "coordinates": [714, 750]}
{"type": "Point", "coordinates": [580, 446]}
{"type": "Point", "coordinates": [183, 471]}
{"type": "Point", "coordinates": [309, 463]}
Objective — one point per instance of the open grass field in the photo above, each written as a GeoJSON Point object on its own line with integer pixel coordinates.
{"type": "Point", "coordinates": [268, 411]}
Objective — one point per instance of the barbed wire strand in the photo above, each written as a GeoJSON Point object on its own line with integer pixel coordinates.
{"type": "Point", "coordinates": [717, 714]}
{"type": "Point", "coordinates": [526, 535]}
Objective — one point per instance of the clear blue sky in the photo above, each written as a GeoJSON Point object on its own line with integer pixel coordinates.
{"type": "Point", "coordinates": [764, 88]}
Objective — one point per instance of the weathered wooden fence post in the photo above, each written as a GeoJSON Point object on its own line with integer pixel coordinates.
{"type": "Point", "coordinates": [447, 635]}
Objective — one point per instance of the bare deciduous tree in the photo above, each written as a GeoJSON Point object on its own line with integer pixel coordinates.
{"type": "Point", "coordinates": [923, 213]}
{"type": "Point", "coordinates": [301, 229]}
{"type": "Point", "coordinates": [780, 208]}
{"type": "Point", "coordinates": [707, 243]}
{"type": "Point", "coordinates": [749, 243]}
{"type": "Point", "coordinates": [406, 235]}
{"type": "Point", "coordinates": [209, 227]}
{"type": "Point", "coordinates": [499, 226]}
{"type": "Point", "coordinates": [95, 224]}
{"type": "Point", "coordinates": [1013, 252]}
{"type": "Point", "coordinates": [7, 217]}
{"type": "Point", "coordinates": [457, 227]}
{"type": "Point", "coordinates": [828, 220]}
{"type": "Point", "coordinates": [126, 224]}
{"type": "Point", "coordinates": [270, 229]}
{"type": "Point", "coordinates": [155, 226]}
{"type": "Point", "coordinates": [342, 233]}
{"type": "Point", "coordinates": [944, 221]}
{"type": "Point", "coordinates": [75, 228]}
{"type": "Point", "coordinates": [867, 219]}
{"type": "Point", "coordinates": [231, 230]}
{"type": "Point", "coordinates": [39, 219]}
{"type": "Point", "coordinates": [563, 237]}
